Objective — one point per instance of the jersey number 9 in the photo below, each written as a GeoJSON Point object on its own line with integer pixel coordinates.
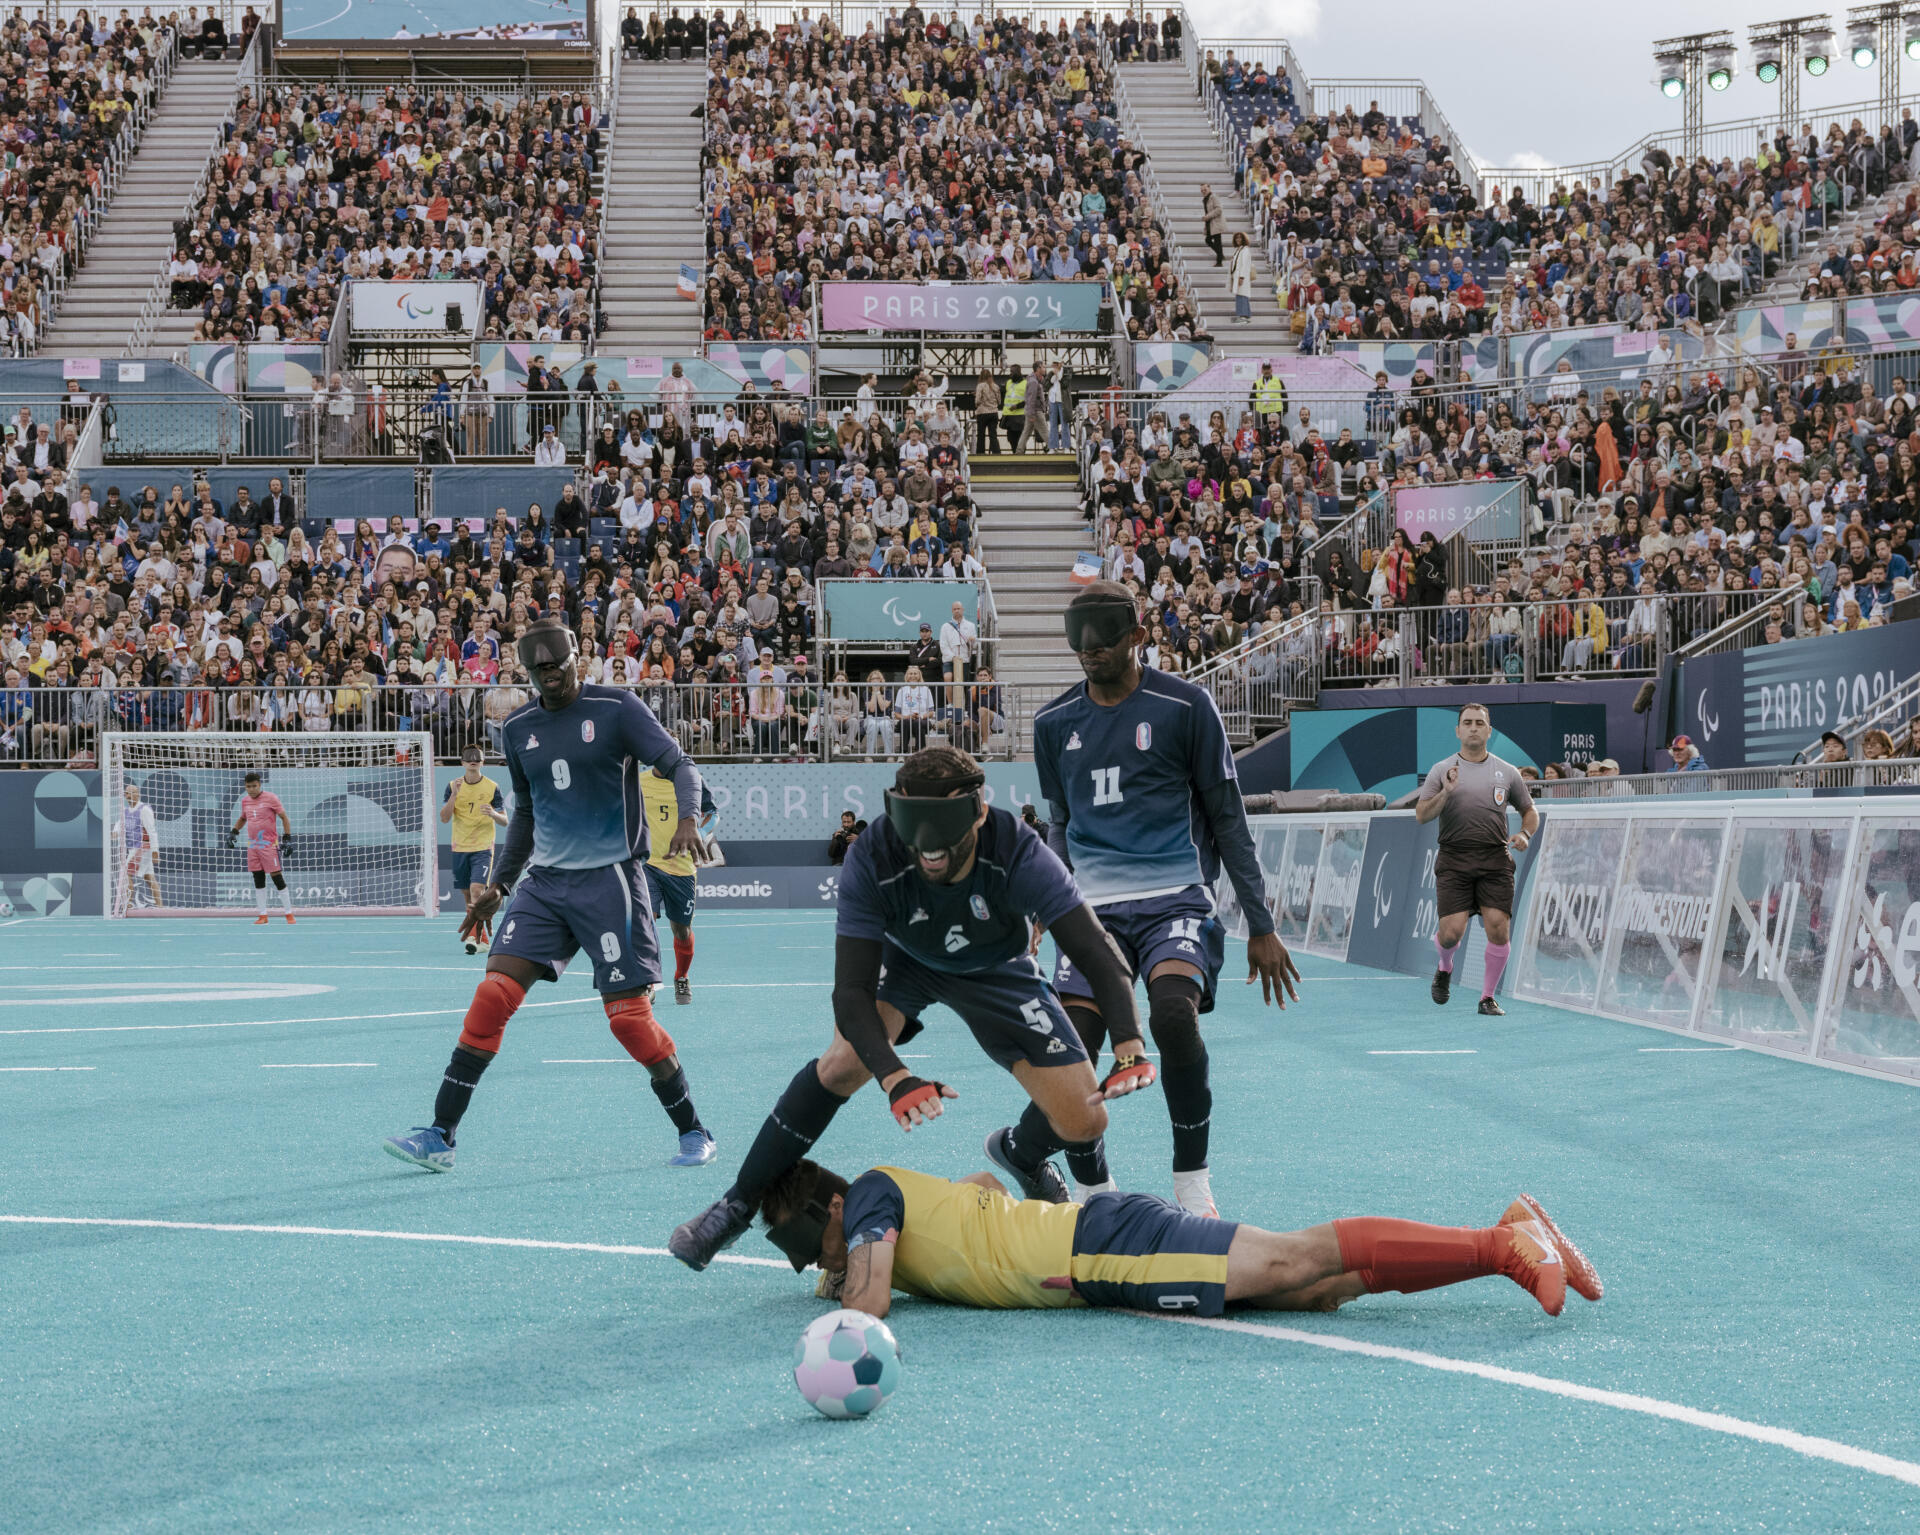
{"type": "Point", "coordinates": [562, 774]}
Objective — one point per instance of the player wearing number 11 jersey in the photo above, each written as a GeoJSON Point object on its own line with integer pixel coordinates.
{"type": "Point", "coordinates": [577, 831]}
{"type": "Point", "coordinates": [1145, 808]}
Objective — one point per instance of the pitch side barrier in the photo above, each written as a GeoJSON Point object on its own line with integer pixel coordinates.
{"type": "Point", "coordinates": [1789, 927]}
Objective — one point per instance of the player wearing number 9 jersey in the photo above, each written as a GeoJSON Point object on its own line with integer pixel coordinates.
{"type": "Point", "coordinates": [578, 832]}
{"type": "Point", "coordinates": [1145, 807]}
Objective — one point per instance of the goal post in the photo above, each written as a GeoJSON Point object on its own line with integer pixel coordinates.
{"type": "Point", "coordinates": [360, 806]}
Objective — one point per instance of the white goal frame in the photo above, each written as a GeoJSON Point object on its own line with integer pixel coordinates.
{"type": "Point", "coordinates": [269, 753]}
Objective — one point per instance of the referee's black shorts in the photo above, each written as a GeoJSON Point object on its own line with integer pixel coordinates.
{"type": "Point", "coordinates": [1473, 882]}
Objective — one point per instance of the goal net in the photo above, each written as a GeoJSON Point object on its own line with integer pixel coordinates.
{"type": "Point", "coordinates": [360, 837]}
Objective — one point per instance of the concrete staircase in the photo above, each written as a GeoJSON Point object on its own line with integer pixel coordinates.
{"type": "Point", "coordinates": [654, 215]}
{"type": "Point", "coordinates": [135, 239]}
{"type": "Point", "coordinates": [1183, 152]}
{"type": "Point", "coordinates": [1030, 529]}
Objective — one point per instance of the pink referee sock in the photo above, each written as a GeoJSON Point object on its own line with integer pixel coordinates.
{"type": "Point", "coordinates": [1496, 963]}
{"type": "Point", "coordinates": [1446, 954]}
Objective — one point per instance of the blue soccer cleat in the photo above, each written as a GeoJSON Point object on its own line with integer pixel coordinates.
{"type": "Point", "coordinates": [426, 1147]}
{"type": "Point", "coordinates": [1043, 1182]}
{"type": "Point", "coordinates": [697, 1149]}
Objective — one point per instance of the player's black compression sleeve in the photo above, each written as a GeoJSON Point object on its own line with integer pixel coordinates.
{"type": "Point", "coordinates": [687, 789]}
{"type": "Point", "coordinates": [519, 848]}
{"type": "Point", "coordinates": [1057, 831]}
{"type": "Point", "coordinates": [1084, 941]}
{"type": "Point", "coordinates": [856, 1010]}
{"type": "Point", "coordinates": [1227, 815]}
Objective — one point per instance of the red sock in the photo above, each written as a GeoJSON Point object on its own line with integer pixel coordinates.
{"type": "Point", "coordinates": [1411, 1255]}
{"type": "Point", "coordinates": [682, 957]}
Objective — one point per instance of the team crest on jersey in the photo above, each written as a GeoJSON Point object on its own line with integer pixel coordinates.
{"type": "Point", "coordinates": [1499, 794]}
{"type": "Point", "coordinates": [978, 904]}
{"type": "Point", "coordinates": [586, 730]}
{"type": "Point", "coordinates": [1143, 736]}
{"type": "Point", "coordinates": [1073, 742]}
{"type": "Point", "coordinates": [533, 743]}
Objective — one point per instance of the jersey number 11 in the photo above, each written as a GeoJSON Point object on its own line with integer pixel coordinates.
{"type": "Point", "coordinates": [1106, 786]}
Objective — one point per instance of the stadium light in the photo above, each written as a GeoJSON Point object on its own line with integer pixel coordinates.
{"type": "Point", "coordinates": [1720, 67]}
{"type": "Point", "coordinates": [1818, 42]}
{"type": "Point", "coordinates": [1913, 36]}
{"type": "Point", "coordinates": [1681, 64]}
{"type": "Point", "coordinates": [1860, 45]}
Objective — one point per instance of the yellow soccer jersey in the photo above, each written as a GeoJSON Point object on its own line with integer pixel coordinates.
{"type": "Point", "coordinates": [473, 828]}
{"type": "Point", "coordinates": [663, 815]}
{"type": "Point", "coordinates": [963, 1243]}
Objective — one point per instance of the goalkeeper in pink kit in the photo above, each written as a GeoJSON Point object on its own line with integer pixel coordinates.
{"type": "Point", "coordinates": [262, 814]}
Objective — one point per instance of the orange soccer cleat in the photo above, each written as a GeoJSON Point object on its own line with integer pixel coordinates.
{"type": "Point", "coordinates": [289, 919]}
{"type": "Point", "coordinates": [261, 920]}
{"type": "Point", "coordinates": [1581, 1274]}
{"type": "Point", "coordinates": [1533, 1262]}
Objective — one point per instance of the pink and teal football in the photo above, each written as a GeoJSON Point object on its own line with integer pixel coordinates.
{"type": "Point", "coordinates": [846, 1364]}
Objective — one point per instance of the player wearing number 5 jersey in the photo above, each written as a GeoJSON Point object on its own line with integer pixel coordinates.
{"type": "Point", "coordinates": [265, 818]}
{"type": "Point", "coordinates": [938, 903]}
{"type": "Point", "coordinates": [1145, 806]}
{"type": "Point", "coordinates": [575, 759]}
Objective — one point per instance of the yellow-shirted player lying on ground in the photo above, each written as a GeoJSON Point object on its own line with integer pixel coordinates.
{"type": "Point", "coordinates": [969, 1243]}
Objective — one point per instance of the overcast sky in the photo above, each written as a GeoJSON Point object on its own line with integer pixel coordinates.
{"type": "Point", "coordinates": [1530, 84]}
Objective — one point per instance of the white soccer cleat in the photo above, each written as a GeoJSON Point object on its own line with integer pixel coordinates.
{"type": "Point", "coordinates": [1193, 1192]}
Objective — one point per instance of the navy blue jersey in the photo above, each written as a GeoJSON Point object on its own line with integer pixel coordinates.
{"type": "Point", "coordinates": [579, 768]}
{"type": "Point", "coordinates": [1128, 781]}
{"type": "Point", "coordinates": [963, 928]}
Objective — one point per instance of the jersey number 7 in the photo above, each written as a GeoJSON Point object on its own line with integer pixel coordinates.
{"type": "Point", "coordinates": [1106, 786]}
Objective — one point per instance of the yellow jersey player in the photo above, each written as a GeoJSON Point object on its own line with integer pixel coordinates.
{"type": "Point", "coordinates": [969, 1244]}
{"type": "Point", "coordinates": [474, 805]}
{"type": "Point", "coordinates": [670, 878]}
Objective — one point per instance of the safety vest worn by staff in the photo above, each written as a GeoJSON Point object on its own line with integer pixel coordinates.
{"type": "Point", "coordinates": [1270, 395]}
{"type": "Point", "coordinates": [1014, 401]}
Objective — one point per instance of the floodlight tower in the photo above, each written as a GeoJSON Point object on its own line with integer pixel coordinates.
{"type": "Point", "coordinates": [1687, 67]}
{"type": "Point", "coordinates": [1880, 34]}
{"type": "Point", "coordinates": [1781, 49]}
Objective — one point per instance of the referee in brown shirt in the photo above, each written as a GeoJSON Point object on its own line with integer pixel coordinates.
{"type": "Point", "coordinates": [1470, 793]}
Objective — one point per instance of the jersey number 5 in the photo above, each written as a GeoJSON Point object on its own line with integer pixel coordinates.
{"type": "Point", "coordinates": [1106, 786]}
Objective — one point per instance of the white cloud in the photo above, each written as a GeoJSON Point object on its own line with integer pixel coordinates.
{"type": "Point", "coordinates": [1289, 19]}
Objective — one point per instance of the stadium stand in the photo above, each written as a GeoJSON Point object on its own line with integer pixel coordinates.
{"type": "Point", "coordinates": [82, 90]}
{"type": "Point", "coordinates": [807, 181]}
{"type": "Point", "coordinates": [508, 187]}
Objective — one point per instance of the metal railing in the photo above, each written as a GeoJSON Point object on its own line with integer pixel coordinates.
{"type": "Point", "coordinates": [1886, 773]}
{"type": "Point", "coordinates": [1889, 713]}
{"type": "Point", "coordinates": [730, 721]}
{"type": "Point", "coordinates": [1748, 624]}
{"type": "Point", "coordinates": [1257, 684]}
{"type": "Point", "coordinates": [1512, 640]}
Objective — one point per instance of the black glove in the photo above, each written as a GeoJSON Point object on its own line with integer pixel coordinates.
{"type": "Point", "coordinates": [911, 1093]}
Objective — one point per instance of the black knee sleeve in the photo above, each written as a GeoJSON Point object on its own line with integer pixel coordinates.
{"type": "Point", "coordinates": [279, 883]}
{"type": "Point", "coordinates": [1090, 1026]}
{"type": "Point", "coordinates": [1173, 1014]}
{"type": "Point", "coordinates": [259, 879]}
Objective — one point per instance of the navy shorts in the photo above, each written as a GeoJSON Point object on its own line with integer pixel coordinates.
{"type": "Point", "coordinates": [555, 913]}
{"type": "Point", "coordinates": [1139, 1252]}
{"type": "Point", "coordinates": [474, 868]}
{"type": "Point", "coordinates": [672, 895]}
{"type": "Point", "coordinates": [1011, 1009]}
{"type": "Point", "coordinates": [1180, 926]}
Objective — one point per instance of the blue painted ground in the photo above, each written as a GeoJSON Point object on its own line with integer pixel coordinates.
{"type": "Point", "coordinates": [1753, 1219]}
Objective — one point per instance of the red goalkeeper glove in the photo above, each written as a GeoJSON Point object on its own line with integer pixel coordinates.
{"type": "Point", "coordinates": [915, 1101]}
{"type": "Point", "coordinates": [1130, 1073]}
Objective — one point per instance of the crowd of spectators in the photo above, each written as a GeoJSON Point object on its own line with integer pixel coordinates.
{"type": "Point", "coordinates": [317, 185]}
{"type": "Point", "coordinates": [685, 557]}
{"type": "Point", "coordinates": [1655, 512]}
{"type": "Point", "coordinates": [927, 148]}
{"type": "Point", "coordinates": [1377, 235]}
{"type": "Point", "coordinates": [75, 87]}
